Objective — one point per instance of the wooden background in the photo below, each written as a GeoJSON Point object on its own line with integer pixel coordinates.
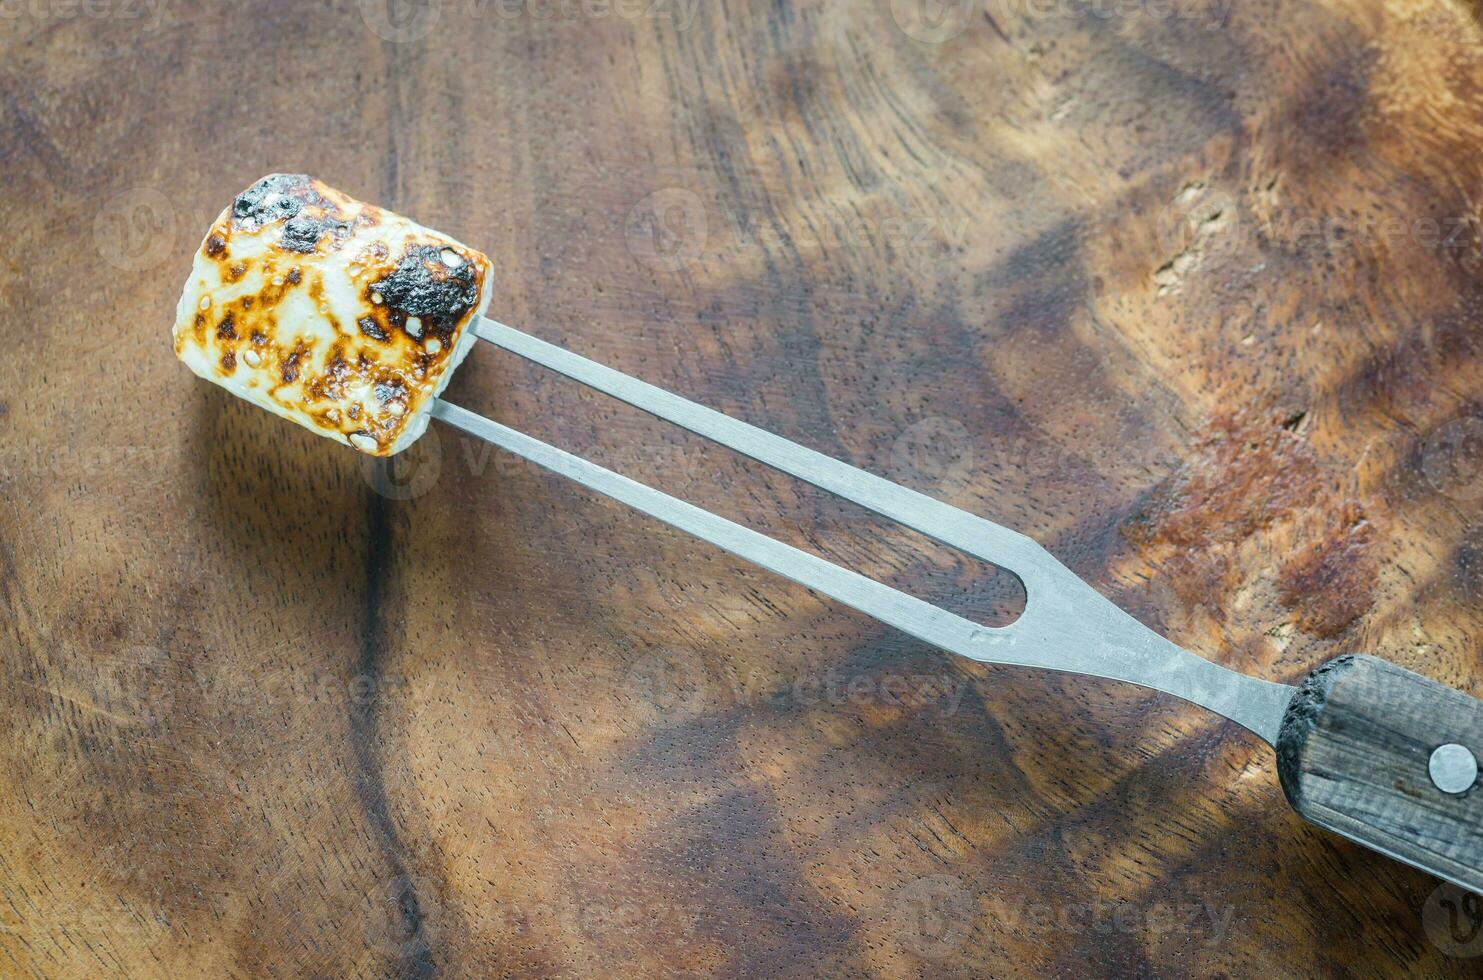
{"type": "Point", "coordinates": [1187, 289]}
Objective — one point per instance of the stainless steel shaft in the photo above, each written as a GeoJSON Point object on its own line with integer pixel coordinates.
{"type": "Point", "coordinates": [1067, 625]}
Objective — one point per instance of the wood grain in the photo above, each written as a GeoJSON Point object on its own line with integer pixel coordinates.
{"type": "Point", "coordinates": [1354, 757]}
{"type": "Point", "coordinates": [1189, 292]}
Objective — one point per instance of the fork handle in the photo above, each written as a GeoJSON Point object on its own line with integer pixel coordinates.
{"type": "Point", "coordinates": [1387, 758]}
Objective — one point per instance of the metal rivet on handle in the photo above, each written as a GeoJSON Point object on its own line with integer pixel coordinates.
{"type": "Point", "coordinates": [1453, 768]}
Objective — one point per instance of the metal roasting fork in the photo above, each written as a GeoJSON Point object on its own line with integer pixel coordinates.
{"type": "Point", "coordinates": [1367, 749]}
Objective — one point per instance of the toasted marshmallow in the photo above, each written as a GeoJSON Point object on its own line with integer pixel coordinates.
{"type": "Point", "coordinates": [335, 314]}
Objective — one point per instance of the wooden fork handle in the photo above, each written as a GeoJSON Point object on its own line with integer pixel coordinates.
{"type": "Point", "coordinates": [1387, 758]}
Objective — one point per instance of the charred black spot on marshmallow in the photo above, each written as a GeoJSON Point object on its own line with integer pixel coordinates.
{"type": "Point", "coordinates": [216, 246]}
{"type": "Point", "coordinates": [426, 286]}
{"type": "Point", "coordinates": [331, 384]}
{"type": "Point", "coordinates": [274, 198]}
{"type": "Point", "coordinates": [302, 232]}
{"type": "Point", "coordinates": [227, 328]}
{"type": "Point", "coordinates": [291, 363]}
{"type": "Point", "coordinates": [369, 327]}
